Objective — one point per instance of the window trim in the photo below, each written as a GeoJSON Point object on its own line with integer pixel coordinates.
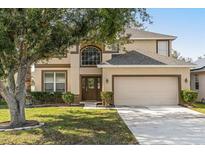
{"type": "Point", "coordinates": [81, 50]}
{"type": "Point", "coordinates": [157, 51]}
{"type": "Point", "coordinates": [196, 82]}
{"type": "Point", "coordinates": [53, 71]}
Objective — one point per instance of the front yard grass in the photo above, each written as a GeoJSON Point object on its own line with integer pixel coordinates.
{"type": "Point", "coordinates": [66, 125]}
{"type": "Point", "coordinates": [199, 107]}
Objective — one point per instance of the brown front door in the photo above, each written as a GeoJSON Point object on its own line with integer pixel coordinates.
{"type": "Point", "coordinates": [91, 87]}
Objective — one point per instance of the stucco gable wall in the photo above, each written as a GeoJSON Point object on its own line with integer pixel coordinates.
{"type": "Point", "coordinates": [143, 45]}
{"type": "Point", "coordinates": [138, 45]}
{"type": "Point", "coordinates": [63, 60]}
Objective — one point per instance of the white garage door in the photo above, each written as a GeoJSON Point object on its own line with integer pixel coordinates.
{"type": "Point", "coordinates": [142, 91]}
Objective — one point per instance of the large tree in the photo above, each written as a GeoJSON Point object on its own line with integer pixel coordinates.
{"type": "Point", "coordinates": [177, 55]}
{"type": "Point", "coordinates": [30, 35]}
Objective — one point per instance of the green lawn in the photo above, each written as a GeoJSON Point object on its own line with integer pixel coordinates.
{"type": "Point", "coordinates": [65, 125]}
{"type": "Point", "coordinates": [199, 107]}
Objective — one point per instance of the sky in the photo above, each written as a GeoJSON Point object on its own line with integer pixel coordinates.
{"type": "Point", "coordinates": [187, 24]}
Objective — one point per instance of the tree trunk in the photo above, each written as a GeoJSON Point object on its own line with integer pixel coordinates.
{"type": "Point", "coordinates": [17, 113]}
{"type": "Point", "coordinates": [17, 109]}
{"type": "Point", "coordinates": [15, 95]}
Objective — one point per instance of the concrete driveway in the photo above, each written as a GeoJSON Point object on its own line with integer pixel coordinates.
{"type": "Point", "coordinates": [164, 125]}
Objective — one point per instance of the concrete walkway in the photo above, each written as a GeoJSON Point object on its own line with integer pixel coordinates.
{"type": "Point", "coordinates": [165, 125]}
{"type": "Point", "coordinates": [89, 105]}
{"type": "Point", "coordinates": [92, 105]}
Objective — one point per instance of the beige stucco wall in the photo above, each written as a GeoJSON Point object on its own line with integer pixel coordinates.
{"type": "Point", "coordinates": [143, 45]}
{"type": "Point", "coordinates": [91, 70]}
{"type": "Point", "coordinates": [108, 72]}
{"type": "Point", "coordinates": [138, 45]}
{"type": "Point", "coordinates": [201, 90]}
{"type": "Point", "coordinates": [75, 71]}
{"type": "Point", "coordinates": [65, 60]}
{"type": "Point", "coordinates": [37, 76]}
{"type": "Point", "coordinates": [106, 56]}
{"type": "Point", "coordinates": [57, 60]}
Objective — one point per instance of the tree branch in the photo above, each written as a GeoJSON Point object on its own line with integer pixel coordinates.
{"type": "Point", "coordinates": [21, 78]}
{"type": "Point", "coordinates": [4, 91]}
{"type": "Point", "coordinates": [11, 81]}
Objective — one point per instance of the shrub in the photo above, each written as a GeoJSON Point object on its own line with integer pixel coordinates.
{"type": "Point", "coordinates": [46, 97]}
{"type": "Point", "coordinates": [68, 97]}
{"type": "Point", "coordinates": [189, 96]}
{"type": "Point", "coordinates": [106, 97]}
{"type": "Point", "coordinates": [2, 101]}
{"type": "Point", "coordinates": [203, 100]}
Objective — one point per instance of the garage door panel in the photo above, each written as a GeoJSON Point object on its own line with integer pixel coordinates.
{"type": "Point", "coordinates": [142, 91]}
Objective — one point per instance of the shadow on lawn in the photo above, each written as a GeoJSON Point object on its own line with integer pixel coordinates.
{"type": "Point", "coordinates": [76, 127]}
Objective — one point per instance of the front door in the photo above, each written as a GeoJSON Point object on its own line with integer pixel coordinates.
{"type": "Point", "coordinates": [91, 88]}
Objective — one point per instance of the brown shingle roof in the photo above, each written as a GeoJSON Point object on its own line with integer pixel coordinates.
{"type": "Point", "coordinates": [141, 34]}
{"type": "Point", "coordinates": [165, 59]}
{"type": "Point", "coordinates": [144, 58]}
{"type": "Point", "coordinates": [133, 58]}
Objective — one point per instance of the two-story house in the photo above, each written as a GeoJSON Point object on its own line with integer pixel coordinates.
{"type": "Point", "coordinates": [142, 74]}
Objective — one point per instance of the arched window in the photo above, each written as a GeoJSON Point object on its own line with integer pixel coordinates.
{"type": "Point", "coordinates": [90, 56]}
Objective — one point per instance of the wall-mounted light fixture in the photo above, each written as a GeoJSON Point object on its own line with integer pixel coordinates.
{"type": "Point", "coordinates": [186, 80]}
{"type": "Point", "coordinates": [106, 80]}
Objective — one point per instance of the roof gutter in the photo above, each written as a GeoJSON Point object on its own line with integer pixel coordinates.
{"type": "Point", "coordinates": [164, 38]}
{"type": "Point", "coordinates": [144, 66]}
{"type": "Point", "coordinates": [198, 69]}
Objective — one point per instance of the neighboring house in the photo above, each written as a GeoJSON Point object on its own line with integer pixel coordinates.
{"type": "Point", "coordinates": [198, 78]}
{"type": "Point", "coordinates": [142, 74]}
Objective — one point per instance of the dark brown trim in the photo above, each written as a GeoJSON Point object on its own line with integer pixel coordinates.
{"type": "Point", "coordinates": [88, 75]}
{"type": "Point", "coordinates": [81, 55]}
{"type": "Point", "coordinates": [169, 50]}
{"type": "Point", "coordinates": [178, 76]}
{"type": "Point", "coordinates": [52, 65]}
{"type": "Point", "coordinates": [168, 46]}
{"type": "Point", "coordinates": [73, 52]}
{"type": "Point", "coordinates": [89, 66]}
{"type": "Point", "coordinates": [44, 71]}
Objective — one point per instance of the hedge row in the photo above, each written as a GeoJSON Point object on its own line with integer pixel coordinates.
{"type": "Point", "coordinates": [46, 98]}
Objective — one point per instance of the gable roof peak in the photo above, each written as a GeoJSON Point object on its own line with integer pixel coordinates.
{"type": "Point", "coordinates": [137, 34]}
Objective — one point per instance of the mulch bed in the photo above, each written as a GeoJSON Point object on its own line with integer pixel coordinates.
{"type": "Point", "coordinates": [101, 105]}
{"type": "Point", "coordinates": [5, 125]}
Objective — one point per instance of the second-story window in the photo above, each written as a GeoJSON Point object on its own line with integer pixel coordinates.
{"type": "Point", "coordinates": [90, 56]}
{"type": "Point", "coordinates": [163, 48]}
